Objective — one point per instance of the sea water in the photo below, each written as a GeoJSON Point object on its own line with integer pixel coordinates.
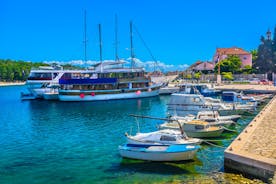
{"type": "Point", "coordinates": [77, 142]}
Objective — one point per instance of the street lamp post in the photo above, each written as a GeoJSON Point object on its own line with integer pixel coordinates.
{"type": "Point", "coordinates": [218, 75]}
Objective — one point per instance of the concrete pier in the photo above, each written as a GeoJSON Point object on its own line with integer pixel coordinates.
{"type": "Point", "coordinates": [253, 152]}
{"type": "Point", "coordinates": [248, 88]}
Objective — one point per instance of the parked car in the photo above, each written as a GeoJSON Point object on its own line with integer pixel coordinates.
{"type": "Point", "coordinates": [264, 81]}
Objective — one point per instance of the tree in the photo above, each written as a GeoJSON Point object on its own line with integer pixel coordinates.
{"type": "Point", "coordinates": [266, 55]}
{"type": "Point", "coordinates": [254, 54]}
{"type": "Point", "coordinates": [227, 75]}
{"type": "Point", "coordinates": [247, 69]}
{"type": "Point", "coordinates": [231, 64]}
{"type": "Point", "coordinates": [197, 75]}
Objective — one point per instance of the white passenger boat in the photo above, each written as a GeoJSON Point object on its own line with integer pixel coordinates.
{"type": "Point", "coordinates": [195, 128]}
{"type": "Point", "coordinates": [158, 152]}
{"type": "Point", "coordinates": [203, 89]}
{"type": "Point", "coordinates": [42, 78]}
{"type": "Point", "coordinates": [107, 81]}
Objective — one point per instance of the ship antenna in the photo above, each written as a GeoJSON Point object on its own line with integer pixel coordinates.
{"type": "Point", "coordinates": [100, 42]}
{"type": "Point", "coordinates": [116, 39]}
{"type": "Point", "coordinates": [131, 46]}
{"type": "Point", "coordinates": [85, 39]}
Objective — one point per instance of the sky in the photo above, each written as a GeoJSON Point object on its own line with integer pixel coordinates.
{"type": "Point", "coordinates": [177, 32]}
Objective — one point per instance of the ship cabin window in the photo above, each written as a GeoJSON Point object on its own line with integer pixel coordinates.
{"type": "Point", "coordinates": [167, 138]}
{"type": "Point", "coordinates": [122, 86]}
{"type": "Point", "coordinates": [196, 100]}
{"type": "Point", "coordinates": [66, 86]}
{"type": "Point", "coordinates": [66, 76]}
{"type": "Point", "coordinates": [119, 75]}
{"type": "Point", "coordinates": [138, 85]}
{"type": "Point", "coordinates": [112, 75]}
{"type": "Point", "coordinates": [199, 127]}
{"type": "Point", "coordinates": [40, 76]}
{"type": "Point", "coordinates": [54, 75]}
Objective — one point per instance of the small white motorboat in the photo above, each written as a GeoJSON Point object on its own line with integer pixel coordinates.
{"type": "Point", "coordinates": [195, 128]}
{"type": "Point", "coordinates": [211, 116]}
{"type": "Point", "coordinates": [173, 152]}
{"type": "Point", "coordinates": [164, 137]}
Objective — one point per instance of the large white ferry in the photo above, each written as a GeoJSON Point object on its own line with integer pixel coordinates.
{"type": "Point", "coordinates": [44, 79]}
{"type": "Point", "coordinates": [107, 81]}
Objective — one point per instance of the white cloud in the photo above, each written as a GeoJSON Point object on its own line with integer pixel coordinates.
{"type": "Point", "coordinates": [184, 66]}
{"type": "Point", "coordinates": [148, 65]}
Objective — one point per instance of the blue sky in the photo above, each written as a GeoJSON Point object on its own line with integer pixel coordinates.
{"type": "Point", "coordinates": [178, 32]}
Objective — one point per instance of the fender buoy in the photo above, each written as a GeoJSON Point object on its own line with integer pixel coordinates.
{"type": "Point", "coordinates": [82, 95]}
{"type": "Point", "coordinates": [138, 92]}
{"type": "Point", "coordinates": [92, 94]}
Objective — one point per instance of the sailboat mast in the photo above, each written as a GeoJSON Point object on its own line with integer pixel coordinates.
{"type": "Point", "coordinates": [100, 42]}
{"type": "Point", "coordinates": [85, 39]}
{"type": "Point", "coordinates": [116, 39]}
{"type": "Point", "coordinates": [131, 46]}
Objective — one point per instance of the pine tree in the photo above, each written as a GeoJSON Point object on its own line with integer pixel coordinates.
{"type": "Point", "coordinates": [265, 61]}
{"type": "Point", "coordinates": [274, 47]}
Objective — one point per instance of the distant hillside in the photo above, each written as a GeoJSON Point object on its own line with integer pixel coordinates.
{"type": "Point", "coordinates": [11, 70]}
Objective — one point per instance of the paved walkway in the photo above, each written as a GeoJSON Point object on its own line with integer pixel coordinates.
{"type": "Point", "coordinates": [247, 87]}
{"type": "Point", "coordinates": [254, 150]}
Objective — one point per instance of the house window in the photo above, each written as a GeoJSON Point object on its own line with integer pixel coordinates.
{"type": "Point", "coordinates": [244, 58]}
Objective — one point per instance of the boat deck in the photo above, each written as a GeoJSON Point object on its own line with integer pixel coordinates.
{"type": "Point", "coordinates": [253, 152]}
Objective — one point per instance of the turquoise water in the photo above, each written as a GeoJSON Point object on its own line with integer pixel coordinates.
{"type": "Point", "coordinates": [65, 142]}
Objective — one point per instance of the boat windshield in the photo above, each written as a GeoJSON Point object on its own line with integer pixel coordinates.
{"type": "Point", "coordinates": [199, 127]}
{"type": "Point", "coordinates": [167, 138]}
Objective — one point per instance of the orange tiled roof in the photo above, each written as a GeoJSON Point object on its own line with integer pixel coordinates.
{"type": "Point", "coordinates": [231, 51]}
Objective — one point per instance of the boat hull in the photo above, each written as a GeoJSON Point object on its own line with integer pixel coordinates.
{"type": "Point", "coordinates": [158, 153]}
{"type": "Point", "coordinates": [115, 96]}
{"type": "Point", "coordinates": [204, 134]}
{"type": "Point", "coordinates": [39, 92]}
{"type": "Point", "coordinates": [50, 96]}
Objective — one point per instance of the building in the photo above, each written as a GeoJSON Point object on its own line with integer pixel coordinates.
{"type": "Point", "coordinates": [223, 53]}
{"type": "Point", "coordinates": [203, 66]}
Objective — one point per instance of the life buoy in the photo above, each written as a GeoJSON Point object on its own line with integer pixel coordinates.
{"type": "Point", "coordinates": [82, 95]}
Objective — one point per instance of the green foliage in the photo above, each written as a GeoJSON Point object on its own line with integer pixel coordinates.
{"type": "Point", "coordinates": [247, 69]}
{"type": "Point", "coordinates": [227, 75]}
{"type": "Point", "coordinates": [254, 54]}
{"type": "Point", "coordinates": [230, 64]}
{"type": "Point", "coordinates": [16, 70]}
{"type": "Point", "coordinates": [187, 76]}
{"type": "Point", "coordinates": [19, 70]}
{"type": "Point", "coordinates": [266, 55]}
{"type": "Point", "coordinates": [197, 75]}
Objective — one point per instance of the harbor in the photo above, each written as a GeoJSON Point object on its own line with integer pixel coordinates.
{"type": "Point", "coordinates": [73, 129]}
{"type": "Point", "coordinates": [131, 92]}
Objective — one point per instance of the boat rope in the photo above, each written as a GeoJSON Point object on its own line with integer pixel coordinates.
{"type": "Point", "coordinates": [148, 49]}
{"type": "Point", "coordinates": [207, 142]}
{"type": "Point", "coordinates": [219, 140]}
